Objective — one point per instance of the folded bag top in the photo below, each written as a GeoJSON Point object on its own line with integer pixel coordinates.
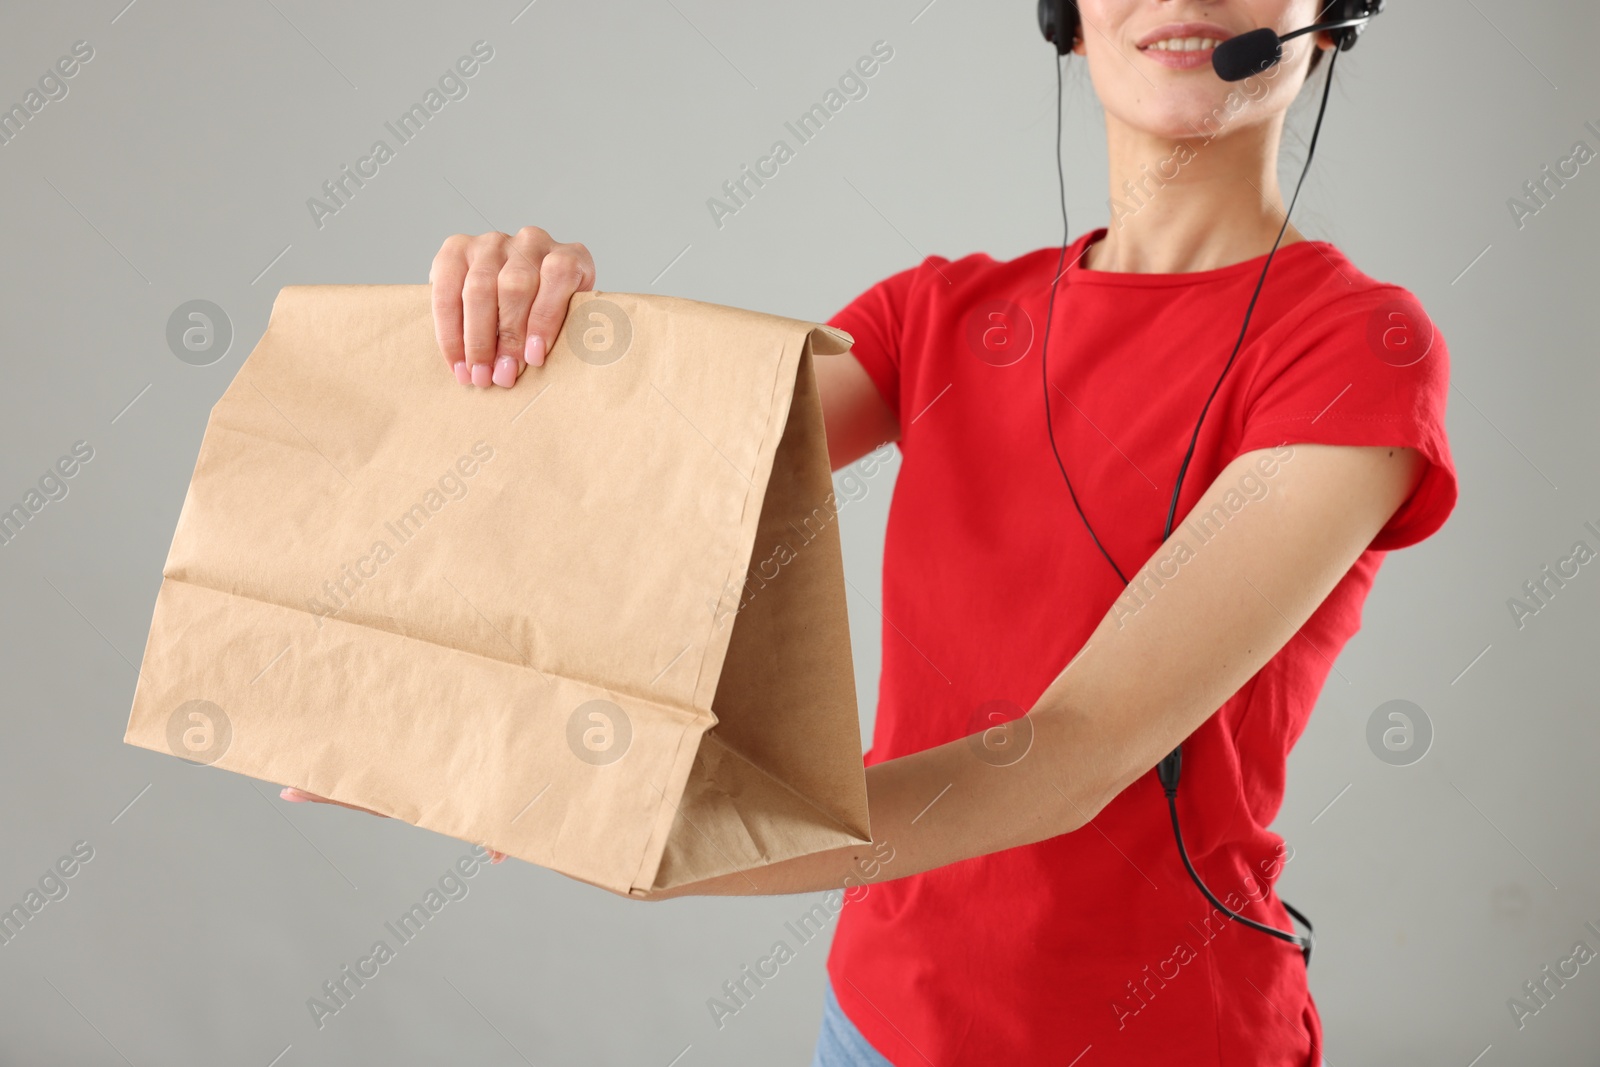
{"type": "Point", "coordinates": [595, 621]}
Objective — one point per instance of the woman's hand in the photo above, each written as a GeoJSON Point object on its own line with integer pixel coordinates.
{"type": "Point", "coordinates": [300, 796]}
{"type": "Point", "coordinates": [499, 301]}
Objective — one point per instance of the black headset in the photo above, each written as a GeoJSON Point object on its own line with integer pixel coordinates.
{"type": "Point", "coordinates": [1059, 22]}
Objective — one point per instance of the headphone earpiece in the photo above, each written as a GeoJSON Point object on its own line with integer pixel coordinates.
{"type": "Point", "coordinates": [1058, 21]}
{"type": "Point", "coordinates": [1343, 10]}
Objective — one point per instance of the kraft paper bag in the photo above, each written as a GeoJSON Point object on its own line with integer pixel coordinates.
{"type": "Point", "coordinates": [595, 621]}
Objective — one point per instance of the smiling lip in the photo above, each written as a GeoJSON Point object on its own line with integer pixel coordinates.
{"type": "Point", "coordinates": [1181, 31]}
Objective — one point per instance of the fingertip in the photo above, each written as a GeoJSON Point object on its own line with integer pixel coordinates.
{"type": "Point", "coordinates": [505, 371]}
{"type": "Point", "coordinates": [481, 375]}
{"type": "Point", "coordinates": [534, 354]}
{"type": "Point", "coordinates": [463, 374]}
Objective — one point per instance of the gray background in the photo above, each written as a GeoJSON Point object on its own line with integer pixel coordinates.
{"type": "Point", "coordinates": [178, 168]}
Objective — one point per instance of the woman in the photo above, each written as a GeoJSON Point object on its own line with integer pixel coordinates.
{"type": "Point", "coordinates": [1031, 905]}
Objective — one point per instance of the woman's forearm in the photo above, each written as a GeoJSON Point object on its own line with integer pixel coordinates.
{"type": "Point", "coordinates": [941, 806]}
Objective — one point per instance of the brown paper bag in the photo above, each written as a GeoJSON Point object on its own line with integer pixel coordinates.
{"type": "Point", "coordinates": [596, 621]}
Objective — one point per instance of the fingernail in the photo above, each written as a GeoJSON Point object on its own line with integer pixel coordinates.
{"type": "Point", "coordinates": [480, 375]}
{"type": "Point", "coordinates": [463, 375]}
{"type": "Point", "coordinates": [505, 372]}
{"type": "Point", "coordinates": [533, 355]}
{"type": "Point", "coordinates": [290, 794]}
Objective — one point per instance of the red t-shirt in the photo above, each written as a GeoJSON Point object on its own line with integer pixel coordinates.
{"type": "Point", "coordinates": [1098, 938]}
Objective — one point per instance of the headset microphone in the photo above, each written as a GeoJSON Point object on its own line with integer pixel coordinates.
{"type": "Point", "coordinates": [1239, 57]}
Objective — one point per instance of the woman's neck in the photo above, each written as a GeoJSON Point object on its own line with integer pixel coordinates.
{"type": "Point", "coordinates": [1191, 205]}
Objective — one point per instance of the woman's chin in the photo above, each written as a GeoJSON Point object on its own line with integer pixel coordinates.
{"type": "Point", "coordinates": [1199, 119]}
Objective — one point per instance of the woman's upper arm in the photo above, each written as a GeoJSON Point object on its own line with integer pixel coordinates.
{"type": "Point", "coordinates": [1208, 616]}
{"type": "Point", "coordinates": [861, 389]}
{"type": "Point", "coordinates": [854, 413]}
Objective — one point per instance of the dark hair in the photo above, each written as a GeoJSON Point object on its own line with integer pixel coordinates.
{"type": "Point", "coordinates": [1325, 13]}
{"type": "Point", "coordinates": [1316, 59]}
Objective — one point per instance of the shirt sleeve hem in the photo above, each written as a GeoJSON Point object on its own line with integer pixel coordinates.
{"type": "Point", "coordinates": [1422, 513]}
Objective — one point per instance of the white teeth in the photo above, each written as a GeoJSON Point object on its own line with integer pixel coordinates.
{"type": "Point", "coordinates": [1186, 44]}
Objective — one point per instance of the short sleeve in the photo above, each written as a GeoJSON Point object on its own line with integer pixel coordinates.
{"type": "Point", "coordinates": [1368, 369]}
{"type": "Point", "coordinates": [877, 319]}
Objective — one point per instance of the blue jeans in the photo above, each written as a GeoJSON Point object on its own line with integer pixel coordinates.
{"type": "Point", "coordinates": [839, 1043]}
